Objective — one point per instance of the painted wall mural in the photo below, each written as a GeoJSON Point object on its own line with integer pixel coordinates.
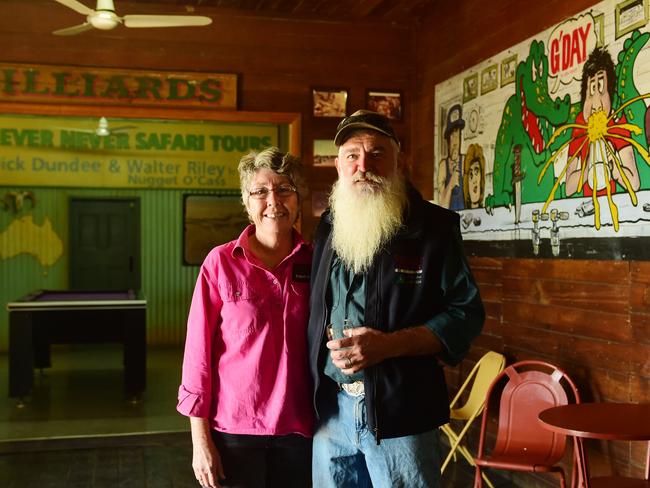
{"type": "Point", "coordinates": [543, 148]}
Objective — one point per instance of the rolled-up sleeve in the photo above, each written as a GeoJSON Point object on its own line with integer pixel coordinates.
{"type": "Point", "coordinates": [462, 319]}
{"type": "Point", "coordinates": [196, 389]}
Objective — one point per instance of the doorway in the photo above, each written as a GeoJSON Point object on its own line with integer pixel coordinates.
{"type": "Point", "coordinates": [104, 243]}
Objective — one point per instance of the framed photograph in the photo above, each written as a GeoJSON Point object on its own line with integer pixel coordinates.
{"type": "Point", "coordinates": [330, 102]}
{"type": "Point", "coordinates": [489, 79]}
{"type": "Point", "coordinates": [325, 152]}
{"type": "Point", "coordinates": [385, 102]}
{"type": "Point", "coordinates": [599, 29]}
{"type": "Point", "coordinates": [630, 15]}
{"type": "Point", "coordinates": [210, 220]}
{"type": "Point", "coordinates": [470, 87]}
{"type": "Point", "coordinates": [508, 70]}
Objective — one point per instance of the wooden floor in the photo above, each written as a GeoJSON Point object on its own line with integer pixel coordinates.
{"type": "Point", "coordinates": [78, 430]}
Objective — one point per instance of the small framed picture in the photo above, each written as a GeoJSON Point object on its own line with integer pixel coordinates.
{"type": "Point", "coordinates": [210, 220]}
{"type": "Point", "coordinates": [470, 87]}
{"type": "Point", "coordinates": [325, 152]}
{"type": "Point", "coordinates": [489, 79]}
{"type": "Point", "coordinates": [630, 15]}
{"type": "Point", "coordinates": [330, 102]}
{"type": "Point", "coordinates": [508, 70]}
{"type": "Point", "coordinates": [599, 29]}
{"type": "Point", "coordinates": [385, 102]}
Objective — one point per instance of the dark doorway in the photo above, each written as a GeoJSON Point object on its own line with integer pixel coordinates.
{"type": "Point", "coordinates": [104, 243]}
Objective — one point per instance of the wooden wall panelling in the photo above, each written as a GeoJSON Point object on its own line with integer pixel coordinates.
{"type": "Point", "coordinates": [590, 317]}
{"type": "Point", "coordinates": [278, 61]}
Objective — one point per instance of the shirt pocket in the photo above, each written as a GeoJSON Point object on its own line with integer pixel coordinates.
{"type": "Point", "coordinates": [237, 292]}
{"type": "Point", "coordinates": [242, 312]}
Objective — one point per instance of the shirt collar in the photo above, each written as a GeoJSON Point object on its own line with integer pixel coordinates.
{"type": "Point", "coordinates": [242, 245]}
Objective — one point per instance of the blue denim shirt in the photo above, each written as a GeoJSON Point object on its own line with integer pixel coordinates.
{"type": "Point", "coordinates": [346, 298]}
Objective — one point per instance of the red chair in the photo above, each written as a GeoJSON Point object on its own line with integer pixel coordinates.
{"type": "Point", "coordinates": [522, 444]}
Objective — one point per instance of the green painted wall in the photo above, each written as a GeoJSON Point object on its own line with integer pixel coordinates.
{"type": "Point", "coordinates": [166, 282]}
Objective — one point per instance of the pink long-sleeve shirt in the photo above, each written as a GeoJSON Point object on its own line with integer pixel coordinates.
{"type": "Point", "coordinates": [245, 366]}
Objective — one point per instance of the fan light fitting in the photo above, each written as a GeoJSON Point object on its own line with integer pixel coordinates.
{"type": "Point", "coordinates": [105, 18]}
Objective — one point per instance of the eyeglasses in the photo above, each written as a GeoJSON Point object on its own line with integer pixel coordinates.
{"type": "Point", "coordinates": [282, 191]}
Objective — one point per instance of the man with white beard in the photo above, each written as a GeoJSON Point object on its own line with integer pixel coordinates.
{"type": "Point", "coordinates": [392, 299]}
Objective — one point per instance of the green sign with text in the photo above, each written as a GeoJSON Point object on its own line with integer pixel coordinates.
{"type": "Point", "coordinates": [75, 85]}
{"type": "Point", "coordinates": [74, 152]}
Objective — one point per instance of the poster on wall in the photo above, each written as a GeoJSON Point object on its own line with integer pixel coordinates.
{"type": "Point", "coordinates": [542, 149]}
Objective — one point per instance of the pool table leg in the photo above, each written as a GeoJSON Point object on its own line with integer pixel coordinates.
{"type": "Point", "coordinates": [21, 354]}
{"type": "Point", "coordinates": [135, 351]}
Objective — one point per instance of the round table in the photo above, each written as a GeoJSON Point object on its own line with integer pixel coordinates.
{"type": "Point", "coordinates": [609, 421]}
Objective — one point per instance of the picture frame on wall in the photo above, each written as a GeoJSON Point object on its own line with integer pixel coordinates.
{"type": "Point", "coordinates": [599, 29]}
{"type": "Point", "coordinates": [385, 102]}
{"type": "Point", "coordinates": [470, 87]}
{"type": "Point", "coordinates": [489, 79]}
{"type": "Point", "coordinates": [630, 15]}
{"type": "Point", "coordinates": [330, 102]}
{"type": "Point", "coordinates": [208, 221]}
{"type": "Point", "coordinates": [508, 70]}
{"type": "Point", "coordinates": [325, 152]}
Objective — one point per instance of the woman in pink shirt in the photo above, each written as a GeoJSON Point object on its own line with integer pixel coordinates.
{"type": "Point", "coordinates": [246, 385]}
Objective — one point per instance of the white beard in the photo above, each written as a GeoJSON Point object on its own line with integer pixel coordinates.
{"type": "Point", "coordinates": [365, 218]}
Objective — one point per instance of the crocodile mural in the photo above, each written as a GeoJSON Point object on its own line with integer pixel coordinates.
{"type": "Point", "coordinates": [531, 116]}
{"type": "Point", "coordinates": [529, 119]}
{"type": "Point", "coordinates": [566, 139]}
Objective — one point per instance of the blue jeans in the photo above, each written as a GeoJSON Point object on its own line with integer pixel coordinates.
{"type": "Point", "coordinates": [346, 453]}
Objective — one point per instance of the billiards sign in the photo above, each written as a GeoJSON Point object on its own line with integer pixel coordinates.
{"type": "Point", "coordinates": [76, 85]}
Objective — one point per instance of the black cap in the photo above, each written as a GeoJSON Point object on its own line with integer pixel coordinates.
{"type": "Point", "coordinates": [364, 119]}
{"type": "Point", "coordinates": [454, 119]}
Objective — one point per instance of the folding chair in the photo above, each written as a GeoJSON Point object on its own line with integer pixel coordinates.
{"type": "Point", "coordinates": [522, 444]}
{"type": "Point", "coordinates": [480, 378]}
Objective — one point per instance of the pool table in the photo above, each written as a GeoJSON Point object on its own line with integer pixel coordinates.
{"type": "Point", "coordinates": [68, 317]}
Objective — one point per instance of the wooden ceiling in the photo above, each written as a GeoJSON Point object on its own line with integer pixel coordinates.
{"type": "Point", "coordinates": [367, 10]}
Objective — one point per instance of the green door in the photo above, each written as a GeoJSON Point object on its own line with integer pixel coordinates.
{"type": "Point", "coordinates": [104, 243]}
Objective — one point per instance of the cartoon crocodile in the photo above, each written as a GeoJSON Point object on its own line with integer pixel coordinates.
{"type": "Point", "coordinates": [626, 101]}
{"type": "Point", "coordinates": [626, 90]}
{"type": "Point", "coordinates": [528, 121]}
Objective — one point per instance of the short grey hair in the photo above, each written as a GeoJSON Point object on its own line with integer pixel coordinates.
{"type": "Point", "coordinates": [277, 161]}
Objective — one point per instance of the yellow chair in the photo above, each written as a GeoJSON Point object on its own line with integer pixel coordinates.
{"type": "Point", "coordinates": [484, 372]}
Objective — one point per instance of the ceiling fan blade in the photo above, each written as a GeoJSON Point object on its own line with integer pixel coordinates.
{"type": "Point", "coordinates": [71, 31]}
{"type": "Point", "coordinates": [123, 128]}
{"type": "Point", "coordinates": [76, 129]}
{"type": "Point", "coordinates": [165, 20]}
{"type": "Point", "coordinates": [76, 6]}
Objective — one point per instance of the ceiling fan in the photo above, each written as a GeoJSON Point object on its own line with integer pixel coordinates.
{"type": "Point", "coordinates": [102, 128]}
{"type": "Point", "coordinates": [105, 18]}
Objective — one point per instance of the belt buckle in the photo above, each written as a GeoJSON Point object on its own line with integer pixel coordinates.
{"type": "Point", "coordinates": [354, 389]}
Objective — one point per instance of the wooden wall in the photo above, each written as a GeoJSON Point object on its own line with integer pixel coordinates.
{"type": "Point", "coordinates": [591, 318]}
{"type": "Point", "coordinates": [278, 61]}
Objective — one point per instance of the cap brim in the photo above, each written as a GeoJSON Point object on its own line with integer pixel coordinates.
{"type": "Point", "coordinates": [340, 135]}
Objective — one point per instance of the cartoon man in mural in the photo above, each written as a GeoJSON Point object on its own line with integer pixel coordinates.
{"type": "Point", "coordinates": [606, 139]}
{"type": "Point", "coordinates": [474, 177]}
{"type": "Point", "coordinates": [450, 169]}
{"type": "Point", "coordinates": [598, 163]}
